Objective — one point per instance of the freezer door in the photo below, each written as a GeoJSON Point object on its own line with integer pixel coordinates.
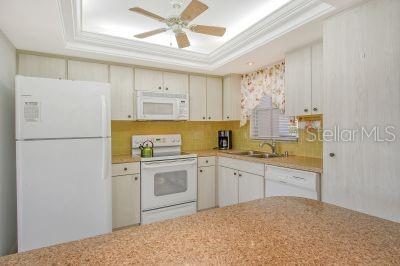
{"type": "Point", "coordinates": [52, 109]}
{"type": "Point", "coordinates": [63, 191]}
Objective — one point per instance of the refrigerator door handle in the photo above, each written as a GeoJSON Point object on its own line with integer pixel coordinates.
{"type": "Point", "coordinates": [104, 123]}
{"type": "Point", "coordinates": [106, 171]}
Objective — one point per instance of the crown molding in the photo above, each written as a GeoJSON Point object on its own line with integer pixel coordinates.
{"type": "Point", "coordinates": [289, 17]}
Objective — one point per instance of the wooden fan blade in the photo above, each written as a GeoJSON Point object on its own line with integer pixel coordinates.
{"type": "Point", "coordinates": [182, 40]}
{"type": "Point", "coordinates": [150, 33]}
{"type": "Point", "coordinates": [147, 13]}
{"type": "Point", "coordinates": [193, 10]}
{"type": "Point", "coordinates": [209, 30]}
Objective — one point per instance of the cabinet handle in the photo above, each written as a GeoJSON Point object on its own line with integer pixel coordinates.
{"type": "Point", "coordinates": [136, 178]}
{"type": "Point", "coordinates": [129, 116]}
{"type": "Point", "coordinates": [305, 110]}
{"type": "Point", "coordinates": [166, 88]}
{"type": "Point", "coordinates": [201, 171]}
{"type": "Point", "coordinates": [204, 117]}
{"type": "Point", "coordinates": [227, 117]}
{"type": "Point", "coordinates": [240, 175]}
{"type": "Point", "coordinates": [299, 178]}
{"type": "Point", "coordinates": [209, 117]}
{"type": "Point", "coordinates": [315, 109]}
{"type": "Point", "coordinates": [331, 154]}
{"type": "Point", "coordinates": [206, 161]}
{"type": "Point", "coordinates": [125, 169]}
{"type": "Point", "coordinates": [234, 173]}
{"type": "Point", "coordinates": [159, 88]}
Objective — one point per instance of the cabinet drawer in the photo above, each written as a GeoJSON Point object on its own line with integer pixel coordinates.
{"type": "Point", "coordinates": [206, 161]}
{"type": "Point", "coordinates": [298, 178]}
{"type": "Point", "coordinates": [125, 169]}
{"type": "Point", "coordinates": [242, 165]}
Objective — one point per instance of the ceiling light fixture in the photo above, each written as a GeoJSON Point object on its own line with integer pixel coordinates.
{"type": "Point", "coordinates": [250, 63]}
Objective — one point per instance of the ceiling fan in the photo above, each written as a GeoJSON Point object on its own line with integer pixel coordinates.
{"type": "Point", "coordinates": [177, 23]}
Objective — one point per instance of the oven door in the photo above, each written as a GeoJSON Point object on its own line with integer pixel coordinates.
{"type": "Point", "coordinates": [157, 108]}
{"type": "Point", "coordinates": [167, 183]}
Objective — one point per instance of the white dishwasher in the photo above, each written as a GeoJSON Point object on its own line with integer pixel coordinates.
{"type": "Point", "coordinates": [281, 181]}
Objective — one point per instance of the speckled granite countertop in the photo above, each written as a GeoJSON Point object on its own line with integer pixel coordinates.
{"type": "Point", "coordinates": [295, 162]}
{"type": "Point", "coordinates": [125, 159]}
{"type": "Point", "coordinates": [277, 230]}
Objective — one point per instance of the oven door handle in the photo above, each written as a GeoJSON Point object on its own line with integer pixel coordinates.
{"type": "Point", "coordinates": [149, 165]}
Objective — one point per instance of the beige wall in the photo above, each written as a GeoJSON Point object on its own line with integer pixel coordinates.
{"type": "Point", "coordinates": [8, 207]}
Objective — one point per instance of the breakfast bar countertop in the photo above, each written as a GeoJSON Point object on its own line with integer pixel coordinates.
{"type": "Point", "coordinates": [277, 230]}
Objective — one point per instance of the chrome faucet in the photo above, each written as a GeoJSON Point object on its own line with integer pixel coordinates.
{"type": "Point", "coordinates": [272, 145]}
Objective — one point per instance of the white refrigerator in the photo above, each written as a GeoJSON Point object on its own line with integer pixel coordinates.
{"type": "Point", "coordinates": [63, 161]}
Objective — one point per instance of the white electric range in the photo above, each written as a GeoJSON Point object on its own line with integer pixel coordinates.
{"type": "Point", "coordinates": [168, 179]}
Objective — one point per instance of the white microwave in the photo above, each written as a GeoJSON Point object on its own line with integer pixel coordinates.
{"type": "Point", "coordinates": [161, 106]}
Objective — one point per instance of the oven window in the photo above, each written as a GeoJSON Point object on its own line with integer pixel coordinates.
{"type": "Point", "coordinates": [151, 108]}
{"type": "Point", "coordinates": [170, 183]}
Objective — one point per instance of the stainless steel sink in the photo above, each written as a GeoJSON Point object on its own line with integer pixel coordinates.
{"type": "Point", "coordinates": [265, 155]}
{"type": "Point", "coordinates": [247, 153]}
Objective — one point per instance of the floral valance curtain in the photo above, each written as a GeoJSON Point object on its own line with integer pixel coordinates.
{"type": "Point", "coordinates": [268, 81]}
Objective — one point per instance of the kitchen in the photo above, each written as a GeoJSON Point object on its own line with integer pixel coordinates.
{"type": "Point", "coordinates": [236, 146]}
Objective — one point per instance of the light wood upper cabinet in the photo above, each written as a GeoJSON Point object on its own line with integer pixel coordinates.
{"type": "Point", "coordinates": [125, 200]}
{"type": "Point", "coordinates": [87, 71]}
{"type": "Point", "coordinates": [148, 80]}
{"type": "Point", "coordinates": [214, 99]}
{"type": "Point", "coordinates": [176, 83]}
{"type": "Point", "coordinates": [198, 98]}
{"type": "Point", "coordinates": [317, 78]}
{"type": "Point", "coordinates": [206, 188]}
{"type": "Point", "coordinates": [298, 82]}
{"type": "Point", "coordinates": [153, 80]}
{"type": "Point", "coordinates": [231, 97]}
{"type": "Point", "coordinates": [122, 93]}
{"type": "Point", "coordinates": [41, 66]}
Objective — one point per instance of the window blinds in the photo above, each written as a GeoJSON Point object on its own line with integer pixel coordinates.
{"type": "Point", "coordinates": [269, 123]}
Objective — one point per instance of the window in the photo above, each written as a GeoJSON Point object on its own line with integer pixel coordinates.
{"type": "Point", "coordinates": [269, 123]}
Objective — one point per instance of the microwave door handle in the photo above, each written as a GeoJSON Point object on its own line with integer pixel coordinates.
{"type": "Point", "coordinates": [168, 163]}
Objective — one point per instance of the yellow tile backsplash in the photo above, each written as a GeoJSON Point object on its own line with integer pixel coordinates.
{"type": "Point", "coordinates": [203, 136]}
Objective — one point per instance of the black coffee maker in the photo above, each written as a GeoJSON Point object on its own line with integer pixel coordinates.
{"type": "Point", "coordinates": [225, 139]}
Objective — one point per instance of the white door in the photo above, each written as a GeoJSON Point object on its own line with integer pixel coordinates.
{"type": "Point", "coordinates": [125, 200]}
{"type": "Point", "coordinates": [121, 79]}
{"type": "Point", "coordinates": [198, 98]}
{"type": "Point", "coordinates": [298, 82]}
{"type": "Point", "coordinates": [41, 66]}
{"type": "Point", "coordinates": [166, 183]}
{"type": "Point", "coordinates": [87, 71]}
{"type": "Point", "coordinates": [50, 108]}
{"type": "Point", "coordinates": [228, 186]}
{"type": "Point", "coordinates": [251, 187]}
{"type": "Point", "coordinates": [214, 99]}
{"type": "Point", "coordinates": [206, 188]}
{"type": "Point", "coordinates": [317, 78]}
{"type": "Point", "coordinates": [148, 80]}
{"type": "Point", "coordinates": [176, 83]}
{"type": "Point", "coordinates": [231, 97]}
{"type": "Point", "coordinates": [64, 190]}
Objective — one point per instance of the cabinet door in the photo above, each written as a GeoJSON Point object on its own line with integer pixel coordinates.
{"type": "Point", "coordinates": [176, 83]}
{"type": "Point", "coordinates": [121, 79]}
{"type": "Point", "coordinates": [87, 71]}
{"type": "Point", "coordinates": [125, 200]}
{"type": "Point", "coordinates": [41, 66]}
{"type": "Point", "coordinates": [298, 82]}
{"type": "Point", "coordinates": [251, 187]}
{"type": "Point", "coordinates": [317, 78]}
{"type": "Point", "coordinates": [206, 187]}
{"type": "Point", "coordinates": [231, 97]}
{"type": "Point", "coordinates": [148, 80]}
{"type": "Point", "coordinates": [228, 186]}
{"type": "Point", "coordinates": [214, 99]}
{"type": "Point", "coordinates": [198, 98]}
{"type": "Point", "coordinates": [363, 174]}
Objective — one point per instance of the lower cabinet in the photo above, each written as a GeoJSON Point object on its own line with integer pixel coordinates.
{"type": "Point", "coordinates": [236, 186]}
{"type": "Point", "coordinates": [206, 188]}
{"type": "Point", "coordinates": [125, 197]}
{"type": "Point", "coordinates": [206, 183]}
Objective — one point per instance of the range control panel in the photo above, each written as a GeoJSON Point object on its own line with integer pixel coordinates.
{"type": "Point", "coordinates": [158, 140]}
